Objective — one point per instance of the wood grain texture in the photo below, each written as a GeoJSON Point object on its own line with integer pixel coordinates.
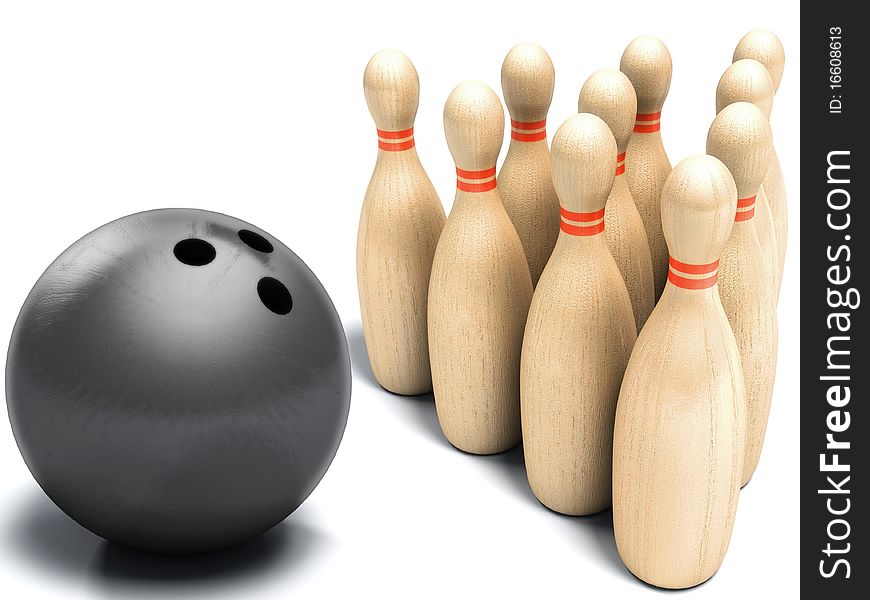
{"type": "Point", "coordinates": [740, 137]}
{"type": "Point", "coordinates": [680, 421]}
{"type": "Point", "coordinates": [400, 222]}
{"type": "Point", "coordinates": [764, 46]}
{"type": "Point", "coordinates": [646, 61]}
{"type": "Point", "coordinates": [774, 192]}
{"type": "Point", "coordinates": [758, 141]}
{"type": "Point", "coordinates": [765, 228]}
{"type": "Point", "coordinates": [578, 337]}
{"type": "Point", "coordinates": [608, 93]}
{"type": "Point", "coordinates": [480, 290]}
{"type": "Point", "coordinates": [524, 181]}
{"type": "Point", "coordinates": [747, 80]}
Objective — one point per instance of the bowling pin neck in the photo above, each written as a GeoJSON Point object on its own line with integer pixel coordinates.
{"type": "Point", "coordinates": [581, 227]}
{"type": "Point", "coordinates": [529, 131]}
{"type": "Point", "coordinates": [620, 166]}
{"type": "Point", "coordinates": [476, 194]}
{"type": "Point", "coordinates": [648, 123]}
{"type": "Point", "coordinates": [687, 278]}
{"type": "Point", "coordinates": [620, 185]}
{"type": "Point", "coordinates": [675, 299]}
{"type": "Point", "coordinates": [393, 143]}
{"type": "Point", "coordinates": [527, 147]}
{"type": "Point", "coordinates": [475, 182]}
{"type": "Point", "coordinates": [745, 210]}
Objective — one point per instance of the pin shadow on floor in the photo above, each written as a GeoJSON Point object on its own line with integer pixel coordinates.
{"type": "Point", "coordinates": [40, 533]}
{"type": "Point", "coordinates": [596, 531]}
{"type": "Point", "coordinates": [421, 409]}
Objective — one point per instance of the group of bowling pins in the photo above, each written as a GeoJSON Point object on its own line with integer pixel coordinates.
{"type": "Point", "coordinates": [615, 315]}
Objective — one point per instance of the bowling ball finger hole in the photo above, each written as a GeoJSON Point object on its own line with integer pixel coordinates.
{"type": "Point", "coordinates": [274, 295]}
{"type": "Point", "coordinates": [194, 252]}
{"type": "Point", "coordinates": [255, 241]}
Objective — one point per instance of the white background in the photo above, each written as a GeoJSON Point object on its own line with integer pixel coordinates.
{"type": "Point", "coordinates": [256, 109]}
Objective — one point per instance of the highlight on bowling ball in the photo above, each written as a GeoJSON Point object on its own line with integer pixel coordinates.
{"type": "Point", "coordinates": [178, 381]}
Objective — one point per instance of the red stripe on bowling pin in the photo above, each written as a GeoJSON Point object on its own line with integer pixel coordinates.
{"type": "Point", "coordinates": [590, 223]}
{"type": "Point", "coordinates": [475, 181]}
{"type": "Point", "coordinates": [677, 272]}
{"type": "Point", "coordinates": [620, 164]}
{"type": "Point", "coordinates": [529, 131]}
{"type": "Point", "coordinates": [647, 122]}
{"type": "Point", "coordinates": [396, 141]}
{"type": "Point", "coordinates": [745, 209]}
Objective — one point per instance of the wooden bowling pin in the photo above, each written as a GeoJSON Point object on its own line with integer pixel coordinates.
{"type": "Point", "coordinates": [579, 334]}
{"type": "Point", "coordinates": [609, 94]}
{"type": "Point", "coordinates": [748, 81]}
{"type": "Point", "coordinates": [680, 421]}
{"type": "Point", "coordinates": [764, 46]}
{"type": "Point", "coordinates": [480, 289]}
{"type": "Point", "coordinates": [401, 220]}
{"type": "Point", "coordinates": [527, 80]}
{"type": "Point", "coordinates": [740, 138]}
{"type": "Point", "coordinates": [647, 63]}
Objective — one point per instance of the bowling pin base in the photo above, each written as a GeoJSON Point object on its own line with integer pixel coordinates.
{"type": "Point", "coordinates": [483, 449]}
{"type": "Point", "coordinates": [404, 390]}
{"type": "Point", "coordinates": [405, 381]}
{"type": "Point", "coordinates": [669, 587]}
{"type": "Point", "coordinates": [572, 511]}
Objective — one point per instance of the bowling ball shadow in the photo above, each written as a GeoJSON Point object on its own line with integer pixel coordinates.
{"type": "Point", "coordinates": [43, 535]}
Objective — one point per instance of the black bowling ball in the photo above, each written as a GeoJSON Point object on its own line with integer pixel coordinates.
{"type": "Point", "coordinates": [178, 381]}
